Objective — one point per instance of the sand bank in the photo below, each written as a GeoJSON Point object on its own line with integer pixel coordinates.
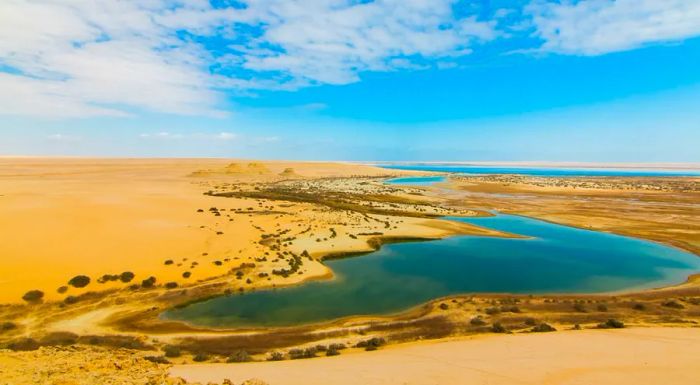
{"type": "Point", "coordinates": [632, 356]}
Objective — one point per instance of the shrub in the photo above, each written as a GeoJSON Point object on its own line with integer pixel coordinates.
{"type": "Point", "coordinates": [200, 357]}
{"type": "Point", "coordinates": [239, 356]}
{"type": "Point", "coordinates": [602, 307]}
{"type": "Point", "coordinates": [498, 328]}
{"type": "Point", "coordinates": [186, 274]}
{"type": "Point", "coordinates": [148, 282]}
{"type": "Point", "coordinates": [275, 356]}
{"type": "Point", "coordinates": [611, 324]}
{"type": "Point", "coordinates": [33, 296]}
{"type": "Point", "coordinates": [71, 299]}
{"type": "Point", "coordinates": [62, 289]}
{"type": "Point", "coordinates": [171, 285]}
{"type": "Point", "coordinates": [23, 344]}
{"type": "Point", "coordinates": [444, 306]}
{"type": "Point", "coordinates": [477, 321]}
{"type": "Point", "coordinates": [171, 351]}
{"type": "Point", "coordinates": [530, 322]}
{"type": "Point", "coordinates": [673, 304]}
{"type": "Point", "coordinates": [332, 352]}
{"type": "Point", "coordinates": [543, 328]}
{"type": "Point", "coordinates": [157, 359]}
{"type": "Point", "coordinates": [79, 281]}
{"type": "Point", "coordinates": [126, 276]}
{"type": "Point", "coordinates": [579, 307]}
{"type": "Point", "coordinates": [7, 325]}
{"type": "Point", "coordinates": [168, 262]}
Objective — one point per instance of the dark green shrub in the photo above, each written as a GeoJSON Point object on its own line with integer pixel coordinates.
{"type": "Point", "coordinates": [543, 328]}
{"type": "Point", "coordinates": [62, 289]}
{"type": "Point", "coordinates": [498, 328]}
{"type": "Point", "coordinates": [33, 296]}
{"type": "Point", "coordinates": [444, 306]}
{"type": "Point", "coordinates": [200, 357]}
{"type": "Point", "coordinates": [275, 356]}
{"type": "Point", "coordinates": [148, 282]}
{"type": "Point", "coordinates": [611, 324]}
{"type": "Point", "coordinates": [239, 356]}
{"type": "Point", "coordinates": [579, 308]}
{"type": "Point", "coordinates": [126, 276]}
{"type": "Point", "coordinates": [157, 359]}
{"type": "Point", "coordinates": [673, 304]}
{"type": "Point", "coordinates": [79, 281]}
{"type": "Point", "coordinates": [477, 321]}
{"type": "Point", "coordinates": [186, 274]}
{"type": "Point", "coordinates": [171, 351]}
{"type": "Point", "coordinates": [171, 285]}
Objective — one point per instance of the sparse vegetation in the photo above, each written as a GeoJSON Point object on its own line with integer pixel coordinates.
{"type": "Point", "coordinates": [33, 296]}
{"type": "Point", "coordinates": [126, 276]}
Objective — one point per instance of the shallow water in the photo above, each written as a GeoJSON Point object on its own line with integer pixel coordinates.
{"type": "Point", "coordinates": [554, 259]}
{"type": "Point", "coordinates": [541, 171]}
{"type": "Point", "coordinates": [416, 180]}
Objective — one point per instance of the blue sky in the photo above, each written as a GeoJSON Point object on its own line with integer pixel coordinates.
{"type": "Point", "coordinates": [595, 80]}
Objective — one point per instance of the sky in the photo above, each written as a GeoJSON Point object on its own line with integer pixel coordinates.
{"type": "Point", "coordinates": [393, 80]}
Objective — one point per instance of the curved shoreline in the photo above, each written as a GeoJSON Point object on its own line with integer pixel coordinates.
{"type": "Point", "coordinates": [376, 243]}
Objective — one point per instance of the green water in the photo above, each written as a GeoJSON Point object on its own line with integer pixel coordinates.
{"type": "Point", "coordinates": [556, 259]}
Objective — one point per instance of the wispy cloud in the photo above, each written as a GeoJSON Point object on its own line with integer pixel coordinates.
{"type": "Point", "coordinates": [597, 27]}
{"type": "Point", "coordinates": [118, 58]}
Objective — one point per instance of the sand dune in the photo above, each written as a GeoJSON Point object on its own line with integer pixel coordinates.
{"type": "Point", "coordinates": [633, 356]}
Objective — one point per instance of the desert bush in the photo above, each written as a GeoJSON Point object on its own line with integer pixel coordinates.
{"type": "Point", "coordinates": [639, 306]}
{"type": "Point", "coordinates": [171, 351]}
{"type": "Point", "coordinates": [186, 274]}
{"type": "Point", "coordinates": [148, 282]}
{"type": "Point", "coordinates": [71, 299]}
{"type": "Point", "coordinates": [239, 356]}
{"type": "Point", "coordinates": [7, 325]}
{"type": "Point", "coordinates": [23, 344]}
{"type": "Point", "coordinates": [602, 307]}
{"type": "Point", "coordinates": [79, 281]}
{"type": "Point", "coordinates": [611, 324]}
{"type": "Point", "coordinates": [33, 296]}
{"type": "Point", "coordinates": [673, 304]}
{"type": "Point", "coordinates": [543, 328]}
{"type": "Point", "coordinates": [477, 321]}
{"type": "Point", "coordinates": [579, 307]}
{"type": "Point", "coordinates": [332, 352]}
{"type": "Point", "coordinates": [168, 262]}
{"type": "Point", "coordinates": [200, 357]}
{"type": "Point", "coordinates": [171, 285]}
{"type": "Point", "coordinates": [275, 356]}
{"type": "Point", "coordinates": [62, 289]}
{"type": "Point", "coordinates": [157, 359]}
{"type": "Point", "coordinates": [444, 306]}
{"type": "Point", "coordinates": [498, 328]}
{"type": "Point", "coordinates": [126, 276]}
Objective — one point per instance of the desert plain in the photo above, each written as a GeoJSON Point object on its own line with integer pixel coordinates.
{"type": "Point", "coordinates": [94, 251]}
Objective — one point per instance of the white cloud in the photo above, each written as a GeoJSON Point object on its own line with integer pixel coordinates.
{"type": "Point", "coordinates": [102, 57]}
{"type": "Point", "coordinates": [81, 58]}
{"type": "Point", "coordinates": [596, 27]}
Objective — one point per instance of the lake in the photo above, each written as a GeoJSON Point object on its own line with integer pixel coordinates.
{"type": "Point", "coordinates": [540, 171]}
{"type": "Point", "coordinates": [553, 259]}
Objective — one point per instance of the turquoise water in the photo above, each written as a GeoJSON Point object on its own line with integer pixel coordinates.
{"type": "Point", "coordinates": [541, 171]}
{"type": "Point", "coordinates": [555, 259]}
{"type": "Point", "coordinates": [416, 180]}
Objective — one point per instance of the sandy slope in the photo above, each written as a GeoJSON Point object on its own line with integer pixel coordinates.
{"type": "Point", "coordinates": [631, 356]}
